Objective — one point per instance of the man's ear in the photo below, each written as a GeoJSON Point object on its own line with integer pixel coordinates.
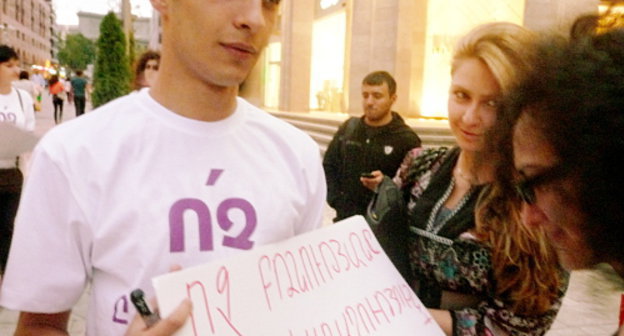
{"type": "Point", "coordinates": [160, 6]}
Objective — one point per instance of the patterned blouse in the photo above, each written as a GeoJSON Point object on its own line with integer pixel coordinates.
{"type": "Point", "coordinates": [452, 260]}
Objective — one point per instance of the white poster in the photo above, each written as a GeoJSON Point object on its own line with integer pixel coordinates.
{"type": "Point", "coordinates": [15, 141]}
{"type": "Point", "coordinates": [335, 281]}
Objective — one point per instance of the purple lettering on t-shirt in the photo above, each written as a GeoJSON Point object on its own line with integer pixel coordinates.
{"type": "Point", "coordinates": [239, 239]}
{"type": "Point", "coordinates": [176, 224]}
{"type": "Point", "coordinates": [8, 117]}
{"type": "Point", "coordinates": [251, 220]}
{"type": "Point", "coordinates": [121, 306]}
{"type": "Point", "coordinates": [214, 176]}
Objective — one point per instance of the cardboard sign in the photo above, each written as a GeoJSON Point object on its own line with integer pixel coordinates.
{"type": "Point", "coordinates": [335, 281]}
{"type": "Point", "coordinates": [15, 141]}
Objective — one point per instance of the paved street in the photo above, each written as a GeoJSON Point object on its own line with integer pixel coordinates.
{"type": "Point", "coordinates": [591, 306]}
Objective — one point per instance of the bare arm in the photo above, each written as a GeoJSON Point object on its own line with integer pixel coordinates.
{"type": "Point", "coordinates": [443, 319]}
{"type": "Point", "coordinates": [30, 324]}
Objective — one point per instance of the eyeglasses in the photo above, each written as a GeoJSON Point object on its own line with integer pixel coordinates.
{"type": "Point", "coordinates": [525, 189]}
{"type": "Point", "coordinates": [151, 67]}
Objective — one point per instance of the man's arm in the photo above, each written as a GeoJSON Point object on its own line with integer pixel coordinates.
{"type": "Point", "coordinates": [332, 164]}
{"type": "Point", "coordinates": [31, 324]}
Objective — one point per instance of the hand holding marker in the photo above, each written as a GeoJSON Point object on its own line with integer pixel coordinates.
{"type": "Point", "coordinates": [138, 299]}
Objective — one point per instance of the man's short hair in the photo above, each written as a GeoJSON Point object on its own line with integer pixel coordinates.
{"type": "Point", "coordinates": [380, 77]}
{"type": "Point", "coordinates": [24, 74]}
{"type": "Point", "coordinates": [78, 72]}
{"type": "Point", "coordinates": [7, 53]}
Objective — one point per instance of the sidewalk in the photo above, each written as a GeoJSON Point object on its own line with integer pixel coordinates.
{"type": "Point", "coordinates": [590, 307]}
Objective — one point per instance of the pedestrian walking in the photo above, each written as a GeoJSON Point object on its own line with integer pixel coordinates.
{"type": "Point", "coordinates": [29, 86]}
{"type": "Point", "coordinates": [57, 90]}
{"type": "Point", "coordinates": [79, 86]}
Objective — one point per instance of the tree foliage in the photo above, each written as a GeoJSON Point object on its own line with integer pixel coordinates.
{"type": "Point", "coordinates": [111, 78]}
{"type": "Point", "coordinates": [76, 52]}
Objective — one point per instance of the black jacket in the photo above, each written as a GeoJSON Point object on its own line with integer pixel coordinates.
{"type": "Point", "coordinates": [366, 149]}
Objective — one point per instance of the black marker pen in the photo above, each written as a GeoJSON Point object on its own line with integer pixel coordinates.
{"type": "Point", "coordinates": [138, 299]}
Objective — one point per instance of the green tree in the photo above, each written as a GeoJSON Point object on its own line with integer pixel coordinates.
{"type": "Point", "coordinates": [131, 49]}
{"type": "Point", "coordinates": [111, 77]}
{"type": "Point", "coordinates": [76, 52]}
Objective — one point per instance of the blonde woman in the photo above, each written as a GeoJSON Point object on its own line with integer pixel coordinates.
{"type": "Point", "coordinates": [476, 275]}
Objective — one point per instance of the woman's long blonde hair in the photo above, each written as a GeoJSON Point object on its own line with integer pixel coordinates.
{"type": "Point", "coordinates": [525, 267]}
{"type": "Point", "coordinates": [502, 46]}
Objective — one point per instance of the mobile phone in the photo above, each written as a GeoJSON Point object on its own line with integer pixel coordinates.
{"type": "Point", "coordinates": [138, 300]}
{"type": "Point", "coordinates": [367, 175]}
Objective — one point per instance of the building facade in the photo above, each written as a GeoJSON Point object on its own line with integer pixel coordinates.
{"type": "Point", "coordinates": [89, 26]}
{"type": "Point", "coordinates": [28, 27]}
{"type": "Point", "coordinates": [323, 48]}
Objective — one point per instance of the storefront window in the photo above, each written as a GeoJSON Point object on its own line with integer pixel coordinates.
{"type": "Point", "coordinates": [328, 54]}
{"type": "Point", "coordinates": [447, 21]}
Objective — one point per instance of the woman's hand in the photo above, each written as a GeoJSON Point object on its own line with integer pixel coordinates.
{"type": "Point", "coordinates": [372, 182]}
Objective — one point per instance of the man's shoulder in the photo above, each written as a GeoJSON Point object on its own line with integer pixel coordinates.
{"type": "Point", "coordinates": [104, 128]}
{"type": "Point", "coordinates": [78, 80]}
{"type": "Point", "coordinates": [348, 127]}
{"type": "Point", "coordinates": [119, 110]}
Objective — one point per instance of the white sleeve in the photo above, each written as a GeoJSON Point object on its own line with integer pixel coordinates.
{"type": "Point", "coordinates": [316, 190]}
{"type": "Point", "coordinates": [48, 264]}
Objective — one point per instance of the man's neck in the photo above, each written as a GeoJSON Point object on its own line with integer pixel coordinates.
{"type": "Point", "coordinates": [192, 98]}
{"type": "Point", "coordinates": [378, 123]}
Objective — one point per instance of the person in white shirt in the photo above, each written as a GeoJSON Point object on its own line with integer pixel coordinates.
{"type": "Point", "coordinates": [16, 107]}
{"type": "Point", "coordinates": [181, 173]}
{"type": "Point", "coordinates": [27, 85]}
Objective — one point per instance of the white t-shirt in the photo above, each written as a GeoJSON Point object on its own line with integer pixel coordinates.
{"type": "Point", "coordinates": [119, 195]}
{"type": "Point", "coordinates": [21, 114]}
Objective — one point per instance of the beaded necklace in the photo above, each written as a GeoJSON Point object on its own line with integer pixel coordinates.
{"type": "Point", "coordinates": [432, 228]}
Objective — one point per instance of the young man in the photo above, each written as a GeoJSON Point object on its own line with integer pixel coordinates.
{"type": "Point", "coordinates": [180, 174]}
{"type": "Point", "coordinates": [376, 141]}
{"type": "Point", "coordinates": [79, 85]}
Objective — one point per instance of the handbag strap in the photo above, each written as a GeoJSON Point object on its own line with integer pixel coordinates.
{"type": "Point", "coordinates": [19, 97]}
{"type": "Point", "coordinates": [350, 128]}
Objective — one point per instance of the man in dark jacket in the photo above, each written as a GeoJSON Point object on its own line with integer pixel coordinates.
{"type": "Point", "coordinates": [376, 141]}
